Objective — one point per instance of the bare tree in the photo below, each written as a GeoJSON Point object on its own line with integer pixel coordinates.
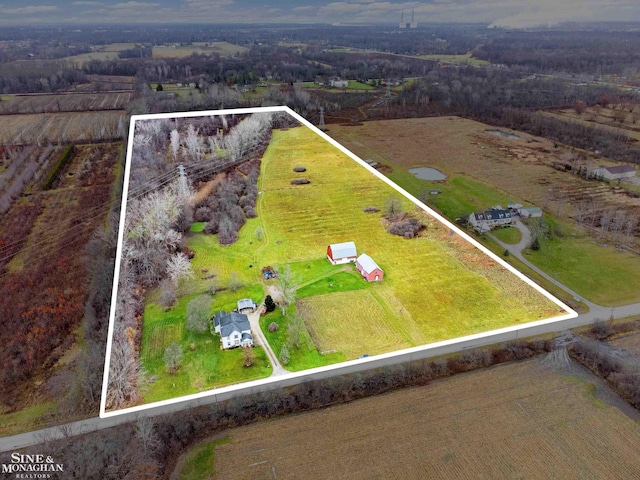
{"type": "Point", "coordinates": [175, 144]}
{"type": "Point", "coordinates": [295, 329]}
{"type": "Point", "coordinates": [287, 283]}
{"type": "Point", "coordinates": [179, 267]}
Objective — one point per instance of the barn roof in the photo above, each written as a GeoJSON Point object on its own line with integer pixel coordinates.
{"type": "Point", "coordinates": [342, 250]}
{"type": "Point", "coordinates": [230, 322]}
{"type": "Point", "coordinates": [367, 263]}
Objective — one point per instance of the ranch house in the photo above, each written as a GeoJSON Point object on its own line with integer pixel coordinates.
{"type": "Point", "coordinates": [369, 269]}
{"type": "Point", "coordinates": [342, 253]}
{"type": "Point", "coordinates": [234, 329]}
{"type": "Point", "coordinates": [485, 221]}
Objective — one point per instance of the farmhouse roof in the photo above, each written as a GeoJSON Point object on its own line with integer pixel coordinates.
{"type": "Point", "coordinates": [367, 263]}
{"type": "Point", "coordinates": [620, 169]}
{"type": "Point", "coordinates": [492, 214]}
{"type": "Point", "coordinates": [246, 303]}
{"type": "Point", "coordinates": [343, 250]}
{"type": "Point", "coordinates": [230, 322]}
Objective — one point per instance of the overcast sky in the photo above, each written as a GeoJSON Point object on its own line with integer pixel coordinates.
{"type": "Point", "coordinates": [509, 13]}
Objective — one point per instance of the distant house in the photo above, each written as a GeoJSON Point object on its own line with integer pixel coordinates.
{"type": "Point", "coordinates": [342, 253]}
{"type": "Point", "coordinates": [339, 83]}
{"type": "Point", "coordinates": [485, 221]}
{"type": "Point", "coordinates": [246, 305]}
{"type": "Point", "coordinates": [369, 269]}
{"type": "Point", "coordinates": [614, 173]}
{"type": "Point", "coordinates": [234, 329]}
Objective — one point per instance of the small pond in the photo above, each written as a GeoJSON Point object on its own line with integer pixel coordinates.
{"type": "Point", "coordinates": [427, 173]}
{"type": "Point", "coordinates": [502, 134]}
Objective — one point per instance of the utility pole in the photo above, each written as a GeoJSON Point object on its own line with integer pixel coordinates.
{"type": "Point", "coordinates": [183, 186]}
{"type": "Point", "coordinates": [321, 123]}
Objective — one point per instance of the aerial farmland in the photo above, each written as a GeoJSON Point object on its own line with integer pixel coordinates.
{"type": "Point", "coordinates": [301, 196]}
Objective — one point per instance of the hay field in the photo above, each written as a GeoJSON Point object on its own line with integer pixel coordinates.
{"type": "Point", "coordinates": [521, 420]}
{"type": "Point", "coordinates": [62, 127]}
{"type": "Point", "coordinates": [437, 278]}
{"type": "Point", "coordinates": [344, 322]}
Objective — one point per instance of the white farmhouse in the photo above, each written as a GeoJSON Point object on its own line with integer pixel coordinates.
{"type": "Point", "coordinates": [234, 329]}
{"type": "Point", "coordinates": [485, 221]}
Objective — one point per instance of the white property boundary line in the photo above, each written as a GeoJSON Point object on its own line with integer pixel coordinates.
{"type": "Point", "coordinates": [400, 356]}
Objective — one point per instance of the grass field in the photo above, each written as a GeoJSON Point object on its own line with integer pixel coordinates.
{"type": "Point", "coordinates": [509, 235]}
{"type": "Point", "coordinates": [422, 284]}
{"type": "Point", "coordinates": [303, 358]}
{"type": "Point", "coordinates": [485, 170]}
{"type": "Point", "coordinates": [436, 287]}
{"type": "Point", "coordinates": [604, 275]}
{"type": "Point", "coordinates": [520, 420]}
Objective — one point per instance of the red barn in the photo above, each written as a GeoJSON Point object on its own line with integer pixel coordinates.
{"type": "Point", "coordinates": [342, 253]}
{"type": "Point", "coordinates": [369, 269]}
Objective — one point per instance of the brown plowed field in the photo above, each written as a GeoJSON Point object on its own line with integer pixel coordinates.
{"type": "Point", "coordinates": [65, 103]}
{"type": "Point", "coordinates": [522, 167]}
{"type": "Point", "coordinates": [522, 420]}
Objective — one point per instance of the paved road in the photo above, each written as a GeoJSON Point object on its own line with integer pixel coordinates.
{"type": "Point", "coordinates": [285, 378]}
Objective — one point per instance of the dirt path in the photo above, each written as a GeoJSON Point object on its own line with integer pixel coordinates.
{"type": "Point", "coordinates": [259, 339]}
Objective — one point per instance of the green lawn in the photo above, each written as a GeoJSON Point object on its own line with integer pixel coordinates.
{"type": "Point", "coordinates": [359, 85]}
{"type": "Point", "coordinates": [341, 281]}
{"type": "Point", "coordinates": [510, 235]}
{"type": "Point", "coordinates": [199, 460]}
{"type": "Point", "coordinates": [604, 275]}
{"type": "Point", "coordinates": [197, 227]}
{"type": "Point", "coordinates": [303, 358]}
{"type": "Point", "coordinates": [460, 195]}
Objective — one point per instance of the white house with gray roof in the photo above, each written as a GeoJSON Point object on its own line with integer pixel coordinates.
{"type": "Point", "coordinates": [485, 221]}
{"type": "Point", "coordinates": [345, 252]}
{"type": "Point", "coordinates": [234, 329]}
